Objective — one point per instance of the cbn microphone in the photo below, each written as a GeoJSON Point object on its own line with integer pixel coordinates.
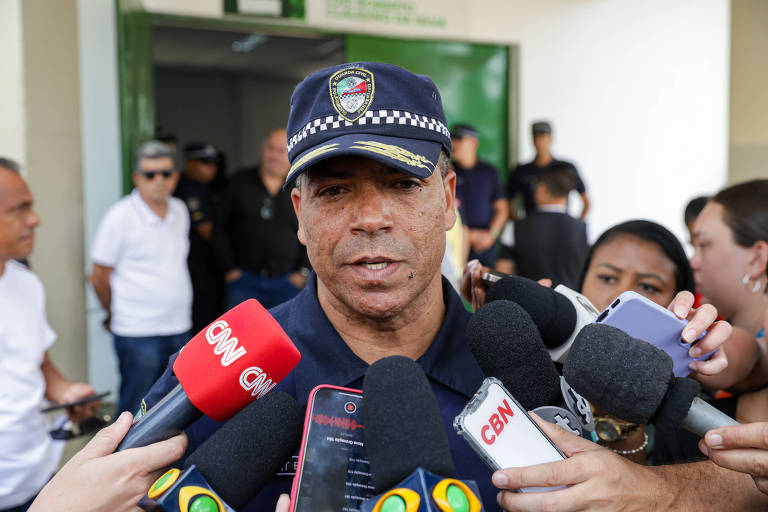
{"type": "Point", "coordinates": [559, 314]}
{"type": "Point", "coordinates": [507, 345]}
{"type": "Point", "coordinates": [634, 380]}
{"type": "Point", "coordinates": [238, 358]}
{"type": "Point", "coordinates": [230, 468]}
{"type": "Point", "coordinates": [410, 457]}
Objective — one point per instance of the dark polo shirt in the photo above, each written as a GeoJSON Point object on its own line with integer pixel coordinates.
{"type": "Point", "coordinates": [325, 359]}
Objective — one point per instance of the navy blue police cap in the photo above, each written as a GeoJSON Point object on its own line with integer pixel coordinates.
{"type": "Point", "coordinates": [370, 109]}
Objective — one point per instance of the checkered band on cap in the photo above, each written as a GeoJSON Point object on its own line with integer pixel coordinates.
{"type": "Point", "coordinates": [391, 117]}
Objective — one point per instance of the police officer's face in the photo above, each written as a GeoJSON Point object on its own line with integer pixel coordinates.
{"type": "Point", "coordinates": [369, 228]}
{"type": "Point", "coordinates": [156, 178]}
{"type": "Point", "coordinates": [542, 142]}
{"type": "Point", "coordinates": [17, 218]}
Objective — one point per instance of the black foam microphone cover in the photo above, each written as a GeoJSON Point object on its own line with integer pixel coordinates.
{"type": "Point", "coordinates": [676, 405]}
{"type": "Point", "coordinates": [507, 345]}
{"type": "Point", "coordinates": [245, 453]}
{"type": "Point", "coordinates": [627, 377]}
{"type": "Point", "coordinates": [552, 312]}
{"type": "Point", "coordinates": [404, 429]}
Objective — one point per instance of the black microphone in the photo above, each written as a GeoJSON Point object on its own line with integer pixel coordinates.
{"type": "Point", "coordinates": [507, 345]}
{"type": "Point", "coordinates": [403, 426]}
{"type": "Point", "coordinates": [559, 313]}
{"type": "Point", "coordinates": [633, 380]}
{"type": "Point", "coordinates": [232, 466]}
{"type": "Point", "coordinates": [410, 457]}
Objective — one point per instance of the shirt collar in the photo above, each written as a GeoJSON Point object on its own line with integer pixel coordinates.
{"type": "Point", "coordinates": [557, 208]}
{"type": "Point", "coordinates": [145, 212]}
{"type": "Point", "coordinates": [326, 358]}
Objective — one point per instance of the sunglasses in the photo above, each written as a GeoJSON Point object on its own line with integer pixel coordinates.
{"type": "Point", "coordinates": [150, 175]}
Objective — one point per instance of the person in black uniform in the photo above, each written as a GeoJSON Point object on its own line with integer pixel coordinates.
{"type": "Point", "coordinates": [548, 242]}
{"type": "Point", "coordinates": [524, 178]}
{"type": "Point", "coordinates": [256, 236]}
{"type": "Point", "coordinates": [200, 170]}
{"type": "Point", "coordinates": [482, 203]}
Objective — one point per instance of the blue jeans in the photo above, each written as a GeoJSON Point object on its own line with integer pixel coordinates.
{"type": "Point", "coordinates": [142, 361]}
{"type": "Point", "coordinates": [269, 291]}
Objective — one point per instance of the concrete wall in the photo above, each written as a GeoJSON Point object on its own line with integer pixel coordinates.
{"type": "Point", "coordinates": [748, 156]}
{"type": "Point", "coordinates": [40, 112]}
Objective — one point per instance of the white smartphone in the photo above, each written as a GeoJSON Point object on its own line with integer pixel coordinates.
{"type": "Point", "coordinates": [499, 429]}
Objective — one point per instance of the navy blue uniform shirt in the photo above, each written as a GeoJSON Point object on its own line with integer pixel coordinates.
{"type": "Point", "coordinates": [476, 189]}
{"type": "Point", "coordinates": [325, 359]}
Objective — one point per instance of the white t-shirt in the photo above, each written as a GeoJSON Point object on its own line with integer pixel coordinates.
{"type": "Point", "coordinates": [27, 456]}
{"type": "Point", "coordinates": [150, 283]}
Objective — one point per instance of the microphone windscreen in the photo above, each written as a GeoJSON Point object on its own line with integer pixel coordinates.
{"type": "Point", "coordinates": [507, 345]}
{"type": "Point", "coordinates": [552, 312]}
{"type": "Point", "coordinates": [627, 377]}
{"type": "Point", "coordinates": [242, 456]}
{"type": "Point", "coordinates": [676, 404]}
{"type": "Point", "coordinates": [243, 355]}
{"type": "Point", "coordinates": [404, 429]}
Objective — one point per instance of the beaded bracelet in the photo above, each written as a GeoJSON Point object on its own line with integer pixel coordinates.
{"type": "Point", "coordinates": [635, 450]}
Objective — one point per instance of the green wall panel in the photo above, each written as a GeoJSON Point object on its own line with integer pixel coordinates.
{"type": "Point", "coordinates": [472, 78]}
{"type": "Point", "coordinates": [137, 81]}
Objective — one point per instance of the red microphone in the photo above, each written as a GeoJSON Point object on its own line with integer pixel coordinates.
{"type": "Point", "coordinates": [237, 359]}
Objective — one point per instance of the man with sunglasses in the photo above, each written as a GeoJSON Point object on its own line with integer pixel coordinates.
{"type": "Point", "coordinates": [140, 273]}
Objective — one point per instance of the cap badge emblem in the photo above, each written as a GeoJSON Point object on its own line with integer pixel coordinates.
{"type": "Point", "coordinates": [351, 92]}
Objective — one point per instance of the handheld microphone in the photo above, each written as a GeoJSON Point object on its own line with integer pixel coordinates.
{"type": "Point", "coordinates": [634, 380]}
{"type": "Point", "coordinates": [558, 314]}
{"type": "Point", "coordinates": [405, 435]}
{"type": "Point", "coordinates": [506, 344]}
{"type": "Point", "coordinates": [236, 359]}
{"type": "Point", "coordinates": [230, 468]}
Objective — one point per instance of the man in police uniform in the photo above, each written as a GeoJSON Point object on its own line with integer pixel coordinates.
{"type": "Point", "coordinates": [373, 193]}
{"type": "Point", "coordinates": [200, 169]}
{"type": "Point", "coordinates": [482, 202]}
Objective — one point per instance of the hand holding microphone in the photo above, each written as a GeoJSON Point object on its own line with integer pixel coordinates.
{"type": "Point", "coordinates": [238, 358]}
{"type": "Point", "coordinates": [97, 480]}
{"type": "Point", "coordinates": [742, 448]}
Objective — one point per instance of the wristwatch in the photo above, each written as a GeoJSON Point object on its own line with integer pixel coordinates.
{"type": "Point", "coordinates": [609, 429]}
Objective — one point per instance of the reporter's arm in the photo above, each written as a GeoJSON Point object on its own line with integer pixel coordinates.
{"type": "Point", "coordinates": [598, 479]}
{"type": "Point", "coordinates": [97, 480]}
{"type": "Point", "coordinates": [742, 448]}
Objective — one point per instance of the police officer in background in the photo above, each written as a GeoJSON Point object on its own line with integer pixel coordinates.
{"type": "Point", "coordinates": [200, 170]}
{"type": "Point", "coordinates": [524, 178]}
{"type": "Point", "coordinates": [482, 202]}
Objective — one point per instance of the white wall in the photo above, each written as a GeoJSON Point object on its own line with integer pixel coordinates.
{"type": "Point", "coordinates": [637, 92]}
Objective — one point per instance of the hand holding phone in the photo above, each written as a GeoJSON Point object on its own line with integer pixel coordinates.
{"type": "Point", "coordinates": [645, 320]}
{"type": "Point", "coordinates": [502, 433]}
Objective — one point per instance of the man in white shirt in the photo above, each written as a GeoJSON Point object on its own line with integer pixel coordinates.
{"type": "Point", "coordinates": [27, 376]}
{"type": "Point", "coordinates": [140, 273]}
